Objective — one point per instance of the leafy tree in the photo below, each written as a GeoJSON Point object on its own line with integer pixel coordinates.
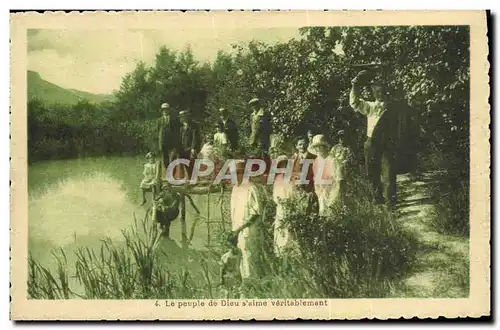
{"type": "Point", "coordinates": [428, 67]}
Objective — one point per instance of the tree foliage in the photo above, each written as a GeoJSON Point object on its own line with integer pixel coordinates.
{"type": "Point", "coordinates": [176, 78]}
{"type": "Point", "coordinates": [305, 83]}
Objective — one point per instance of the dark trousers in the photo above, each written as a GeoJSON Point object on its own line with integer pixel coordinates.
{"type": "Point", "coordinates": [168, 156]}
{"type": "Point", "coordinates": [264, 156]}
{"type": "Point", "coordinates": [186, 171]}
{"type": "Point", "coordinates": [380, 167]}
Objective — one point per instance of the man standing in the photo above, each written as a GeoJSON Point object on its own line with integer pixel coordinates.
{"type": "Point", "coordinates": [303, 158]}
{"type": "Point", "coordinates": [228, 126]}
{"type": "Point", "coordinates": [380, 144]}
{"type": "Point", "coordinates": [190, 140]}
{"type": "Point", "coordinates": [168, 135]}
{"type": "Point", "coordinates": [260, 137]}
{"type": "Point", "coordinates": [261, 127]}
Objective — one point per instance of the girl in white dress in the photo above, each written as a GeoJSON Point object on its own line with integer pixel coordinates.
{"type": "Point", "coordinates": [149, 181]}
{"type": "Point", "coordinates": [220, 138]}
{"type": "Point", "coordinates": [324, 170]}
{"type": "Point", "coordinates": [341, 156]}
{"type": "Point", "coordinates": [281, 191]}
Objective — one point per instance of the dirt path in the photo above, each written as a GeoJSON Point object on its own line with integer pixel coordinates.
{"type": "Point", "coordinates": [442, 266]}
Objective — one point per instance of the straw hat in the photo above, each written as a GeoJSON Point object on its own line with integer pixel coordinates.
{"type": "Point", "coordinates": [240, 165]}
{"type": "Point", "coordinates": [184, 113]}
{"type": "Point", "coordinates": [280, 159]}
{"type": "Point", "coordinates": [253, 101]}
{"type": "Point", "coordinates": [317, 142]}
{"type": "Point", "coordinates": [165, 106]}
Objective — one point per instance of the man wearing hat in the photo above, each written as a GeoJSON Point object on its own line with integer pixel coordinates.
{"type": "Point", "coordinates": [190, 140]}
{"type": "Point", "coordinates": [228, 126]}
{"type": "Point", "coordinates": [168, 135]}
{"type": "Point", "coordinates": [261, 127]}
{"type": "Point", "coordinates": [380, 140]}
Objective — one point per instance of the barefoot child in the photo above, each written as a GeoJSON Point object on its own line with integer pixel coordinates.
{"type": "Point", "coordinates": [149, 181]}
{"type": "Point", "coordinates": [230, 277]}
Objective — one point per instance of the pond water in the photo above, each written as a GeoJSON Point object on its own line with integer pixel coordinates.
{"type": "Point", "coordinates": [80, 202]}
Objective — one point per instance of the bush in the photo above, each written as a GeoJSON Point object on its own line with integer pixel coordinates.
{"type": "Point", "coordinates": [451, 190]}
{"type": "Point", "coordinates": [51, 136]}
{"type": "Point", "coordinates": [357, 251]}
{"type": "Point", "coordinates": [449, 186]}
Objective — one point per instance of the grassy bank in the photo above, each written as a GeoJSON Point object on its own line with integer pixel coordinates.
{"type": "Point", "coordinates": [360, 251]}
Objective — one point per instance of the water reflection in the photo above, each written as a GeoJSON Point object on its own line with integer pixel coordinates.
{"type": "Point", "coordinates": [81, 210]}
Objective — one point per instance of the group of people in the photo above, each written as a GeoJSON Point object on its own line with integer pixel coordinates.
{"type": "Point", "coordinates": [178, 138]}
{"type": "Point", "coordinates": [249, 201]}
{"type": "Point", "coordinates": [243, 261]}
{"type": "Point", "coordinates": [249, 198]}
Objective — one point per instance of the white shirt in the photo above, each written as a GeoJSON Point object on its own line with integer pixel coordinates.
{"type": "Point", "coordinates": [373, 110]}
{"type": "Point", "coordinates": [206, 152]}
{"type": "Point", "coordinates": [244, 203]}
{"type": "Point", "coordinates": [220, 138]}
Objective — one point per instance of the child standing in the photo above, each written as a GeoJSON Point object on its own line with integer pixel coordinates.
{"type": "Point", "coordinates": [149, 181]}
{"type": "Point", "coordinates": [323, 169]}
{"type": "Point", "coordinates": [220, 138]}
{"type": "Point", "coordinates": [281, 191]}
{"type": "Point", "coordinates": [247, 214]}
{"type": "Point", "coordinates": [341, 156]}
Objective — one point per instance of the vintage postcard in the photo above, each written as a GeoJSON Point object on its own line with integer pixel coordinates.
{"type": "Point", "coordinates": [211, 165]}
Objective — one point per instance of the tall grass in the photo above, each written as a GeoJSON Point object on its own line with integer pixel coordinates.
{"type": "Point", "coordinates": [43, 284]}
{"type": "Point", "coordinates": [358, 251]}
{"type": "Point", "coordinates": [451, 191]}
{"type": "Point", "coordinates": [449, 188]}
{"type": "Point", "coordinates": [132, 271]}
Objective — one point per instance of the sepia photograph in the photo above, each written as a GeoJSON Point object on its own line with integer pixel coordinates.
{"type": "Point", "coordinates": [226, 165]}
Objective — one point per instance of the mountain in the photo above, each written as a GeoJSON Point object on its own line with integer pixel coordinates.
{"type": "Point", "coordinates": [50, 93]}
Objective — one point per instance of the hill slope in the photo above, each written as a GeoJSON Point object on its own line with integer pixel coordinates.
{"type": "Point", "coordinates": [50, 93]}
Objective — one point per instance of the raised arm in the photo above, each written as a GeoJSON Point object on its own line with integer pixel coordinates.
{"type": "Point", "coordinates": [355, 100]}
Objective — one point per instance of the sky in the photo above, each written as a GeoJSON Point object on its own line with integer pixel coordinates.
{"type": "Point", "coordinates": [95, 61]}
